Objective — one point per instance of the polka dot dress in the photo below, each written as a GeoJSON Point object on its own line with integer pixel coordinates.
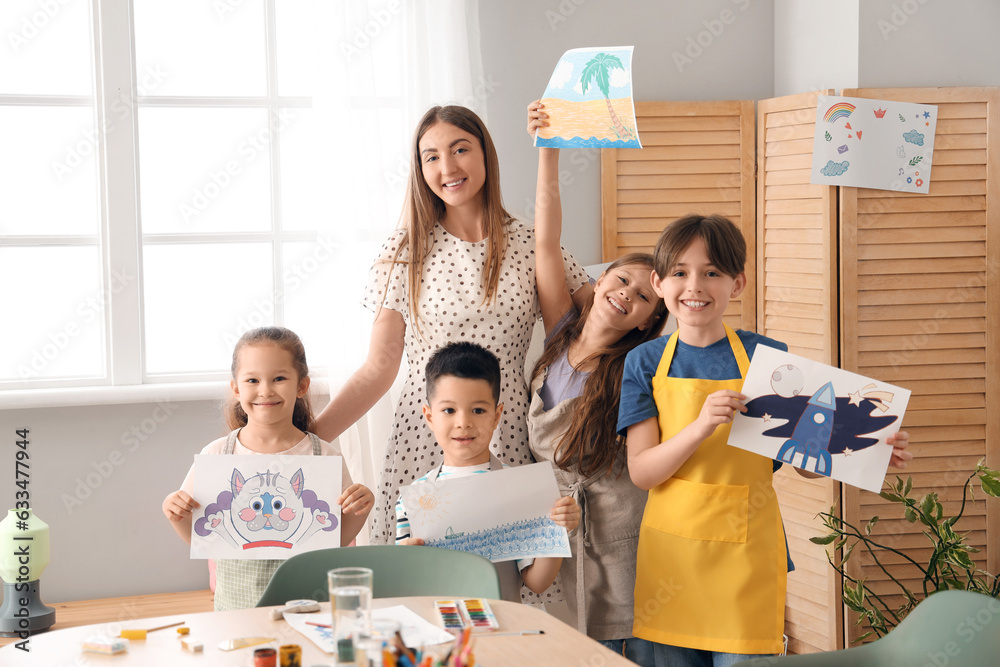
{"type": "Point", "coordinates": [452, 309]}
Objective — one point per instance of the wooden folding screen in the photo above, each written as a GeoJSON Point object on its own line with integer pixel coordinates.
{"type": "Point", "coordinates": [797, 304]}
{"type": "Point", "coordinates": [696, 157]}
{"type": "Point", "coordinates": [921, 309]}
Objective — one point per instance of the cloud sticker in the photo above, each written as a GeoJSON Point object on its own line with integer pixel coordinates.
{"type": "Point", "coordinates": [914, 137]}
{"type": "Point", "coordinates": [835, 168]}
{"type": "Point", "coordinates": [561, 74]}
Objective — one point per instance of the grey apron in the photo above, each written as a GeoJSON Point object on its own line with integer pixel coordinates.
{"type": "Point", "coordinates": [599, 579]}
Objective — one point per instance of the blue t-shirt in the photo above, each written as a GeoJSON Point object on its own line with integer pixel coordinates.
{"type": "Point", "coordinates": [713, 362]}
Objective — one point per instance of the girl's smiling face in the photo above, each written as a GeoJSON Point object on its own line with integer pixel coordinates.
{"type": "Point", "coordinates": [624, 297]}
{"type": "Point", "coordinates": [697, 293]}
{"type": "Point", "coordinates": [453, 165]}
{"type": "Point", "coordinates": [267, 384]}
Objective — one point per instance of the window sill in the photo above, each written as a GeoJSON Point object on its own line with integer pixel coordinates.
{"type": "Point", "coordinates": [214, 390]}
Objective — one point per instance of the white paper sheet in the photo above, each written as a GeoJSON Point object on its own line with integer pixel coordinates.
{"type": "Point", "coordinates": [255, 507]}
{"type": "Point", "coordinates": [589, 100]}
{"type": "Point", "coordinates": [819, 418]}
{"type": "Point", "coordinates": [500, 515]}
{"type": "Point", "coordinates": [417, 632]}
{"type": "Point", "coordinates": [873, 143]}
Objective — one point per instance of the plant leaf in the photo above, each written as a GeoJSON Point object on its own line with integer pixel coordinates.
{"type": "Point", "coordinates": [910, 515]}
{"type": "Point", "coordinates": [927, 507]}
{"type": "Point", "coordinates": [871, 524]}
{"type": "Point", "coordinates": [826, 539]}
{"type": "Point", "coordinates": [990, 484]}
{"type": "Point", "coordinates": [891, 497]}
{"type": "Point", "coordinates": [863, 637]}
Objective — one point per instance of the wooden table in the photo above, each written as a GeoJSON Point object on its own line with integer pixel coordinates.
{"type": "Point", "coordinates": [560, 645]}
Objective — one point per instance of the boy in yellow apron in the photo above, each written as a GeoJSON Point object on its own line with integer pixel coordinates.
{"type": "Point", "coordinates": [712, 565]}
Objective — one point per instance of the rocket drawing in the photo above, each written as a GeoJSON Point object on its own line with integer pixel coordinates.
{"type": "Point", "coordinates": [811, 436]}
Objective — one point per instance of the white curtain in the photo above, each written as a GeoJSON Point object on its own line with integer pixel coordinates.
{"type": "Point", "coordinates": [380, 65]}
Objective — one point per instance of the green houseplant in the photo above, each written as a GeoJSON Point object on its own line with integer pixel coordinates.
{"type": "Point", "coordinates": [949, 565]}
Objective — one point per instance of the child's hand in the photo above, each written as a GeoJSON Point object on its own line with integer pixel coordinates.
{"type": "Point", "coordinates": [536, 117]}
{"type": "Point", "coordinates": [356, 499]}
{"type": "Point", "coordinates": [899, 441]}
{"type": "Point", "coordinates": [412, 541]}
{"type": "Point", "coordinates": [720, 407]}
{"type": "Point", "coordinates": [179, 505]}
{"type": "Point", "coordinates": [566, 513]}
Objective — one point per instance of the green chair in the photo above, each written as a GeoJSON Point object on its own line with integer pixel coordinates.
{"type": "Point", "coordinates": [951, 628]}
{"type": "Point", "coordinates": [399, 571]}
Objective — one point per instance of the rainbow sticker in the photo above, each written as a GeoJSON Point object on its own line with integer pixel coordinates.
{"type": "Point", "coordinates": [837, 111]}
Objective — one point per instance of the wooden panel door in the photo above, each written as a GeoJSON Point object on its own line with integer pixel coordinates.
{"type": "Point", "coordinates": [797, 303]}
{"type": "Point", "coordinates": [697, 157]}
{"type": "Point", "coordinates": [921, 309]}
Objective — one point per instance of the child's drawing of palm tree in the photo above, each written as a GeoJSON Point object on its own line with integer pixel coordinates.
{"type": "Point", "coordinates": [599, 69]}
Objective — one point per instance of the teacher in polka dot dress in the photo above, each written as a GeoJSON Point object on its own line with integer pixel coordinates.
{"type": "Point", "coordinates": [460, 267]}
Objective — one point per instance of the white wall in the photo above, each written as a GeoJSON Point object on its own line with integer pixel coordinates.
{"type": "Point", "coordinates": [116, 542]}
{"type": "Point", "coordinates": [815, 45]}
{"type": "Point", "coordinates": [920, 43]}
{"type": "Point", "coordinates": [97, 477]}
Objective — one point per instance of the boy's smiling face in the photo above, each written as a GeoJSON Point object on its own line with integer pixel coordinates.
{"type": "Point", "coordinates": [697, 293]}
{"type": "Point", "coordinates": [463, 415]}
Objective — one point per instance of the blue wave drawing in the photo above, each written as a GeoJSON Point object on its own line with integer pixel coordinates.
{"type": "Point", "coordinates": [540, 536]}
{"type": "Point", "coordinates": [835, 168]}
{"type": "Point", "coordinates": [593, 142]}
{"type": "Point", "coordinates": [914, 137]}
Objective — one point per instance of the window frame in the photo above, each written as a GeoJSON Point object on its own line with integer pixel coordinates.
{"type": "Point", "coordinates": [120, 236]}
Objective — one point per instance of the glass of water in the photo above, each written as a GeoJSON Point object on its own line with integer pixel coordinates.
{"type": "Point", "coordinates": [350, 600]}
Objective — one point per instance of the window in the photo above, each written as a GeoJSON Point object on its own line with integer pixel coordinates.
{"type": "Point", "coordinates": [175, 173]}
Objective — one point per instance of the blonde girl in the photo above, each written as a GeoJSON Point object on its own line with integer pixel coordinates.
{"type": "Point", "coordinates": [575, 389]}
{"type": "Point", "coordinates": [459, 268]}
{"type": "Point", "coordinates": [269, 413]}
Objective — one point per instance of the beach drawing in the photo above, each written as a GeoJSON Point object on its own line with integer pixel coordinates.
{"type": "Point", "coordinates": [873, 143]}
{"type": "Point", "coordinates": [589, 100]}
{"type": "Point", "coordinates": [500, 515]}
{"type": "Point", "coordinates": [257, 507]}
{"type": "Point", "coordinates": [819, 418]}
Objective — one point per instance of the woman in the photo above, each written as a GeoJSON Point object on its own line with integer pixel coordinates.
{"type": "Point", "coordinates": [460, 268]}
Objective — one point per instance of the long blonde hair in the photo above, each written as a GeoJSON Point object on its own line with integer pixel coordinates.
{"type": "Point", "coordinates": [423, 209]}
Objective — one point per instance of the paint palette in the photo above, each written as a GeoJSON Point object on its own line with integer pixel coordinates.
{"type": "Point", "coordinates": [475, 613]}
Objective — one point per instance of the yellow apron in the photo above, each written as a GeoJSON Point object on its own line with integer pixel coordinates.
{"type": "Point", "coordinates": [711, 565]}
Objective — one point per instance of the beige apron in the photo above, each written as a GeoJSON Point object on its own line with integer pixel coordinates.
{"type": "Point", "coordinates": [711, 567]}
{"type": "Point", "coordinates": [602, 570]}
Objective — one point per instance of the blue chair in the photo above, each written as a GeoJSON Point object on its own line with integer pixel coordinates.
{"type": "Point", "coordinates": [953, 628]}
{"type": "Point", "coordinates": [398, 571]}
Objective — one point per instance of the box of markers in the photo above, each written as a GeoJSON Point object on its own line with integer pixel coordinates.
{"type": "Point", "coordinates": [475, 613]}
